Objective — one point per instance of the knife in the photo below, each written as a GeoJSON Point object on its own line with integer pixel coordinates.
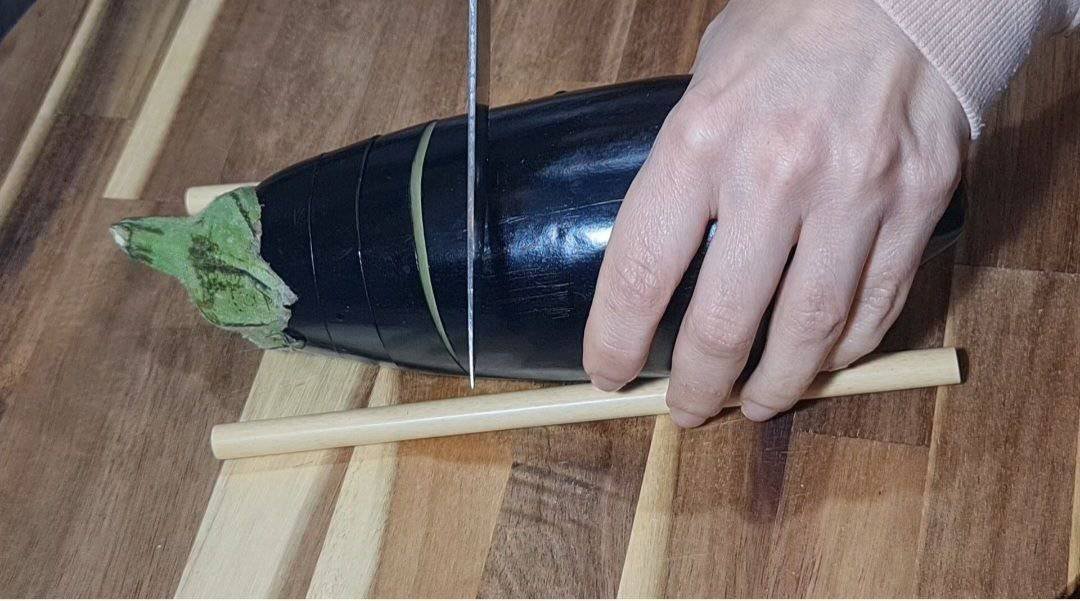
{"type": "Point", "coordinates": [479, 54]}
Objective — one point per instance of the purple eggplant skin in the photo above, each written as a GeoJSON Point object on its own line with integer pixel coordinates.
{"type": "Point", "coordinates": [338, 229]}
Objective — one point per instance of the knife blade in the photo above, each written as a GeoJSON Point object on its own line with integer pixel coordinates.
{"type": "Point", "coordinates": [479, 55]}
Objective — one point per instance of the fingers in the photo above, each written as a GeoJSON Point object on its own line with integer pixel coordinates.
{"type": "Point", "coordinates": [883, 290]}
{"type": "Point", "coordinates": [811, 310]}
{"type": "Point", "coordinates": [737, 280]}
{"type": "Point", "coordinates": [660, 226]}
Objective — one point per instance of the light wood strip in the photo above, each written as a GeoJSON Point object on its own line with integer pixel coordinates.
{"type": "Point", "coordinates": [198, 198]}
{"type": "Point", "coordinates": [34, 139]}
{"type": "Point", "coordinates": [645, 568]}
{"type": "Point", "coordinates": [1073, 577]}
{"type": "Point", "coordinates": [444, 509]}
{"type": "Point", "coordinates": [260, 518]}
{"type": "Point", "coordinates": [158, 109]}
{"type": "Point", "coordinates": [446, 498]}
{"type": "Point", "coordinates": [350, 553]}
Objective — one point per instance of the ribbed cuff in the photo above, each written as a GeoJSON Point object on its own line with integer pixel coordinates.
{"type": "Point", "coordinates": [976, 45]}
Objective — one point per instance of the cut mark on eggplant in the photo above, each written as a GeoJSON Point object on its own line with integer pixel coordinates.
{"type": "Point", "coordinates": [416, 209]}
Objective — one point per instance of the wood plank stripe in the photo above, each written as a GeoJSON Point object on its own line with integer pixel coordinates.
{"type": "Point", "coordinates": [1073, 576]}
{"type": "Point", "coordinates": [34, 139]}
{"type": "Point", "coordinates": [729, 491]}
{"type": "Point", "coordinates": [445, 504]}
{"type": "Point", "coordinates": [848, 522]}
{"type": "Point", "coordinates": [350, 554]}
{"type": "Point", "coordinates": [948, 338]}
{"type": "Point", "coordinates": [998, 512]}
{"type": "Point", "coordinates": [261, 523]}
{"type": "Point", "coordinates": [158, 109]}
{"type": "Point", "coordinates": [645, 568]}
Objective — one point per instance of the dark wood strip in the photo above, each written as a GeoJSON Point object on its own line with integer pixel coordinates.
{"type": "Point", "coordinates": [103, 442]}
{"type": "Point", "coordinates": [1024, 178]}
{"type": "Point", "coordinates": [120, 62]}
{"type": "Point", "coordinates": [997, 516]}
{"type": "Point", "coordinates": [730, 484]}
{"type": "Point", "coordinates": [29, 56]}
{"type": "Point", "coordinates": [568, 509]}
{"type": "Point", "coordinates": [36, 236]}
{"type": "Point", "coordinates": [664, 36]}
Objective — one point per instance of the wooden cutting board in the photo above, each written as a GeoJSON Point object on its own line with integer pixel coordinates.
{"type": "Point", "coordinates": [109, 382]}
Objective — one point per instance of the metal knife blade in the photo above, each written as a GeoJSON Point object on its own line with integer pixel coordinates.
{"type": "Point", "coordinates": [479, 55]}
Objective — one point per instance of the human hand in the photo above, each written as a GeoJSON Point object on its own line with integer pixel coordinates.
{"type": "Point", "coordinates": [813, 124]}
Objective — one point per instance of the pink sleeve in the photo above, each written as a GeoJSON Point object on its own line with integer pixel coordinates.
{"type": "Point", "coordinates": [978, 45]}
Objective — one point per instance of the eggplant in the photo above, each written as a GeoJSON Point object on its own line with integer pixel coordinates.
{"type": "Point", "coordinates": [371, 238]}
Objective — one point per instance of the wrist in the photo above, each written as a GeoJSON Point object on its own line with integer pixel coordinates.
{"type": "Point", "coordinates": [975, 46]}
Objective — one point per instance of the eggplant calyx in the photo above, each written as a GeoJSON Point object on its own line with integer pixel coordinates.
{"type": "Point", "coordinates": [215, 256]}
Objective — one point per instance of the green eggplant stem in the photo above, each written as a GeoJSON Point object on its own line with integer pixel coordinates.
{"type": "Point", "coordinates": [215, 256]}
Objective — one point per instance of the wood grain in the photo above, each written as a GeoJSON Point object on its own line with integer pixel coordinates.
{"type": "Point", "coordinates": [559, 40]}
{"type": "Point", "coordinates": [838, 490]}
{"type": "Point", "coordinates": [664, 36]}
{"type": "Point", "coordinates": [730, 483]}
{"type": "Point", "coordinates": [350, 553]}
{"type": "Point", "coordinates": [156, 113]}
{"type": "Point", "coordinates": [30, 58]}
{"type": "Point", "coordinates": [446, 500]}
{"type": "Point", "coordinates": [217, 101]}
{"type": "Point", "coordinates": [565, 520]}
{"type": "Point", "coordinates": [645, 567]}
{"type": "Point", "coordinates": [116, 69]}
{"type": "Point", "coordinates": [266, 518]}
{"type": "Point", "coordinates": [1025, 178]}
{"type": "Point", "coordinates": [1004, 444]}
{"type": "Point", "coordinates": [23, 138]}
{"type": "Point", "coordinates": [108, 390]}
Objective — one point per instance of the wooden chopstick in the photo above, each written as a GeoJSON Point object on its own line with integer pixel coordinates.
{"type": "Point", "coordinates": [545, 407]}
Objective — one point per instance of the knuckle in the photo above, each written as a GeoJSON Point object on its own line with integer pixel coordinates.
{"type": "Point", "coordinates": [635, 288]}
{"type": "Point", "coordinates": [696, 402]}
{"type": "Point", "coordinates": [789, 150]}
{"type": "Point", "coordinates": [690, 125]}
{"type": "Point", "coordinates": [719, 330]}
{"type": "Point", "coordinates": [815, 318]}
{"type": "Point", "coordinates": [934, 173]}
{"type": "Point", "coordinates": [879, 297]}
{"type": "Point", "coordinates": [873, 160]}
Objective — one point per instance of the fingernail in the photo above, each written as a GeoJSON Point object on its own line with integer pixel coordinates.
{"type": "Point", "coordinates": [685, 419]}
{"type": "Point", "coordinates": [606, 384]}
{"type": "Point", "coordinates": [756, 412]}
